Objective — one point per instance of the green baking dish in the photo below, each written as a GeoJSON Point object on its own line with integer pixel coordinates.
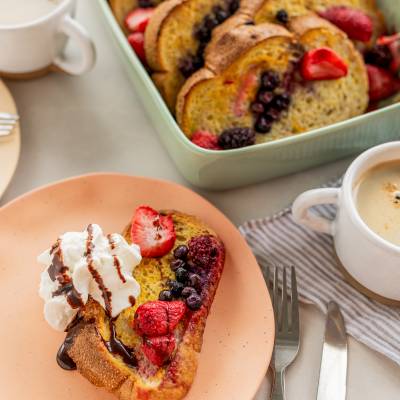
{"type": "Point", "coordinates": [233, 168]}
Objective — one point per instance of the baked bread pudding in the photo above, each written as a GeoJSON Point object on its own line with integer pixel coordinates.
{"type": "Point", "coordinates": [235, 73]}
{"type": "Point", "coordinates": [134, 306]}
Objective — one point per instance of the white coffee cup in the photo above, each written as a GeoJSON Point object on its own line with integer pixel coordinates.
{"type": "Point", "coordinates": [34, 47]}
{"type": "Point", "coordinates": [371, 263]}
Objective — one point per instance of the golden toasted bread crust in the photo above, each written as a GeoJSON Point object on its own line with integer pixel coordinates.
{"type": "Point", "coordinates": [102, 369]}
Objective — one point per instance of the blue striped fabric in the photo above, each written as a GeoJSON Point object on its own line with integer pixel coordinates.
{"type": "Point", "coordinates": [279, 241]}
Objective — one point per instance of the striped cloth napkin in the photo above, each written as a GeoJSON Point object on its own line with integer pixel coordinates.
{"type": "Point", "coordinates": [278, 240]}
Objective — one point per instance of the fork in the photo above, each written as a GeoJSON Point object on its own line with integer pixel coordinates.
{"type": "Point", "coordinates": [287, 336]}
{"type": "Point", "coordinates": [7, 123]}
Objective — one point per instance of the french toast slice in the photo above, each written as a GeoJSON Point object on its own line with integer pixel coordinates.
{"type": "Point", "coordinates": [177, 35]}
{"type": "Point", "coordinates": [103, 368]}
{"type": "Point", "coordinates": [220, 96]}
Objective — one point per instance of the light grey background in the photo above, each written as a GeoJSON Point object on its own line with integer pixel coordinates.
{"type": "Point", "coordinates": [96, 123]}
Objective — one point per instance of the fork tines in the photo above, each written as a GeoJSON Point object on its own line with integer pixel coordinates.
{"type": "Point", "coordinates": [7, 123]}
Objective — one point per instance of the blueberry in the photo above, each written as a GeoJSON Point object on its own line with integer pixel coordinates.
{"type": "Point", "coordinates": [145, 3]}
{"type": "Point", "coordinates": [273, 114]}
{"type": "Point", "coordinates": [181, 275]}
{"type": "Point", "coordinates": [176, 288]}
{"type": "Point", "coordinates": [181, 252]}
{"type": "Point", "coordinates": [165, 295]}
{"type": "Point", "coordinates": [281, 101]}
{"type": "Point", "coordinates": [194, 281]}
{"type": "Point", "coordinates": [265, 97]}
{"type": "Point", "coordinates": [188, 291]}
{"type": "Point", "coordinates": [282, 16]}
{"type": "Point", "coordinates": [190, 266]}
{"type": "Point", "coordinates": [257, 107]}
{"type": "Point", "coordinates": [210, 22]}
{"type": "Point", "coordinates": [177, 264]}
{"type": "Point", "coordinates": [263, 124]}
{"type": "Point", "coordinates": [220, 14]}
{"type": "Point", "coordinates": [193, 302]}
{"type": "Point", "coordinates": [270, 80]}
{"type": "Point", "coordinates": [202, 33]}
{"type": "Point", "coordinates": [233, 6]}
{"type": "Point", "coordinates": [187, 66]}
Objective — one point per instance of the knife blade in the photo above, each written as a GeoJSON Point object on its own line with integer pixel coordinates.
{"type": "Point", "coordinates": [333, 372]}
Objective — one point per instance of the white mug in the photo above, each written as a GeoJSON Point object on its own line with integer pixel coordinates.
{"type": "Point", "coordinates": [32, 48]}
{"type": "Point", "coordinates": [371, 263]}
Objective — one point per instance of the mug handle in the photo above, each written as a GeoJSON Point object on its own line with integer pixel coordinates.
{"type": "Point", "coordinates": [302, 215]}
{"type": "Point", "coordinates": [75, 31]}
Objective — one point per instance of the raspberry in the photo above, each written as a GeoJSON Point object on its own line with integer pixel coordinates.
{"type": "Point", "coordinates": [159, 349]}
{"type": "Point", "coordinates": [235, 138]}
{"type": "Point", "coordinates": [203, 250]}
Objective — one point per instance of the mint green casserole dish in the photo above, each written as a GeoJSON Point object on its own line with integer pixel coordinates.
{"type": "Point", "coordinates": [232, 168]}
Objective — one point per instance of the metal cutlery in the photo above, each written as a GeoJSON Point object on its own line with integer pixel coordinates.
{"type": "Point", "coordinates": [333, 373]}
{"type": "Point", "coordinates": [7, 123]}
{"type": "Point", "coordinates": [287, 330]}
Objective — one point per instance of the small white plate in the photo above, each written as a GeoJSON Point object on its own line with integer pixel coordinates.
{"type": "Point", "coordinates": [10, 145]}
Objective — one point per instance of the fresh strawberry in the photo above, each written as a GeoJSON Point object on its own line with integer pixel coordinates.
{"type": "Point", "coordinates": [322, 63]}
{"type": "Point", "coordinates": [158, 318]}
{"type": "Point", "coordinates": [137, 20]}
{"type": "Point", "coordinates": [159, 349]}
{"type": "Point", "coordinates": [382, 83]}
{"type": "Point", "coordinates": [152, 232]}
{"type": "Point", "coordinates": [136, 40]}
{"type": "Point", "coordinates": [206, 139]}
{"type": "Point", "coordinates": [355, 23]}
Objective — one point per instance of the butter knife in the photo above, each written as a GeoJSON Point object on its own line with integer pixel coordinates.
{"type": "Point", "coordinates": [333, 373]}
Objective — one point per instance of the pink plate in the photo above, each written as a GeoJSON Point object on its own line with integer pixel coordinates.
{"type": "Point", "coordinates": [239, 337]}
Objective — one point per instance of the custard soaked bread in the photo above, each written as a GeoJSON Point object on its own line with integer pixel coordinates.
{"type": "Point", "coordinates": [176, 38]}
{"type": "Point", "coordinates": [149, 350]}
{"type": "Point", "coordinates": [262, 83]}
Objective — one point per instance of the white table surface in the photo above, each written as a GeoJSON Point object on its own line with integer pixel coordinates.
{"type": "Point", "coordinates": [95, 123]}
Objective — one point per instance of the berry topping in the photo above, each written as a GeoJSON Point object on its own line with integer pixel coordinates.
{"type": "Point", "coordinates": [166, 295]}
{"type": "Point", "coordinates": [265, 97]}
{"type": "Point", "coordinates": [137, 20]}
{"type": "Point", "coordinates": [188, 291]}
{"type": "Point", "coordinates": [181, 252]}
{"type": "Point", "coordinates": [263, 124]}
{"type": "Point", "coordinates": [282, 16]}
{"type": "Point", "coordinates": [203, 250]}
{"type": "Point", "coordinates": [220, 14]}
{"type": "Point", "coordinates": [176, 288]}
{"type": "Point", "coordinates": [382, 83]}
{"type": "Point", "coordinates": [145, 3]}
{"type": "Point", "coordinates": [136, 40]}
{"type": "Point", "coordinates": [281, 102]}
{"type": "Point", "coordinates": [270, 80]}
{"type": "Point", "coordinates": [194, 302]}
{"type": "Point", "coordinates": [379, 55]}
{"type": "Point", "coordinates": [322, 63]}
{"type": "Point", "coordinates": [235, 138]}
{"type": "Point", "coordinates": [206, 140]}
{"type": "Point", "coordinates": [190, 64]}
{"type": "Point", "coordinates": [194, 281]}
{"type": "Point", "coordinates": [257, 107]}
{"type": "Point", "coordinates": [157, 318]}
{"type": "Point", "coordinates": [158, 350]}
{"type": "Point", "coordinates": [177, 264]}
{"type": "Point", "coordinates": [153, 232]}
{"type": "Point", "coordinates": [181, 275]}
{"type": "Point", "coordinates": [355, 23]}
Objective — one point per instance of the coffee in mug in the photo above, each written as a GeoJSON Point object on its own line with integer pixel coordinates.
{"type": "Point", "coordinates": [16, 12]}
{"type": "Point", "coordinates": [378, 200]}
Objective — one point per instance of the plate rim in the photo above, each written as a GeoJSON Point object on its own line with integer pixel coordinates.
{"type": "Point", "coordinates": [32, 192]}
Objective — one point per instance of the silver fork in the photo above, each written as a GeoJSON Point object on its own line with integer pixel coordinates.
{"type": "Point", "coordinates": [287, 332]}
{"type": "Point", "coordinates": [7, 123]}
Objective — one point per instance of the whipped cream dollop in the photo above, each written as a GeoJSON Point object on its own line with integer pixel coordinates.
{"type": "Point", "coordinates": [83, 264]}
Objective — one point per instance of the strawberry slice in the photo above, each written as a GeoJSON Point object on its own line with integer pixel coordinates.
{"type": "Point", "coordinates": [206, 140]}
{"type": "Point", "coordinates": [137, 20]}
{"type": "Point", "coordinates": [136, 40]}
{"type": "Point", "coordinates": [323, 63]}
{"type": "Point", "coordinates": [159, 349]}
{"type": "Point", "coordinates": [382, 83]}
{"type": "Point", "coordinates": [355, 23]}
{"type": "Point", "coordinates": [248, 83]}
{"type": "Point", "coordinates": [152, 232]}
{"type": "Point", "coordinates": [158, 318]}
{"type": "Point", "coordinates": [384, 40]}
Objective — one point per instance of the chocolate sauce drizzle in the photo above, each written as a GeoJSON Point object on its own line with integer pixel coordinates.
{"type": "Point", "coordinates": [115, 346]}
{"type": "Point", "coordinates": [106, 294]}
{"type": "Point", "coordinates": [59, 271]}
{"type": "Point", "coordinates": [117, 264]}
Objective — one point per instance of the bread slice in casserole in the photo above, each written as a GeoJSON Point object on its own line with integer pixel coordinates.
{"type": "Point", "coordinates": [145, 380]}
{"type": "Point", "coordinates": [219, 96]}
